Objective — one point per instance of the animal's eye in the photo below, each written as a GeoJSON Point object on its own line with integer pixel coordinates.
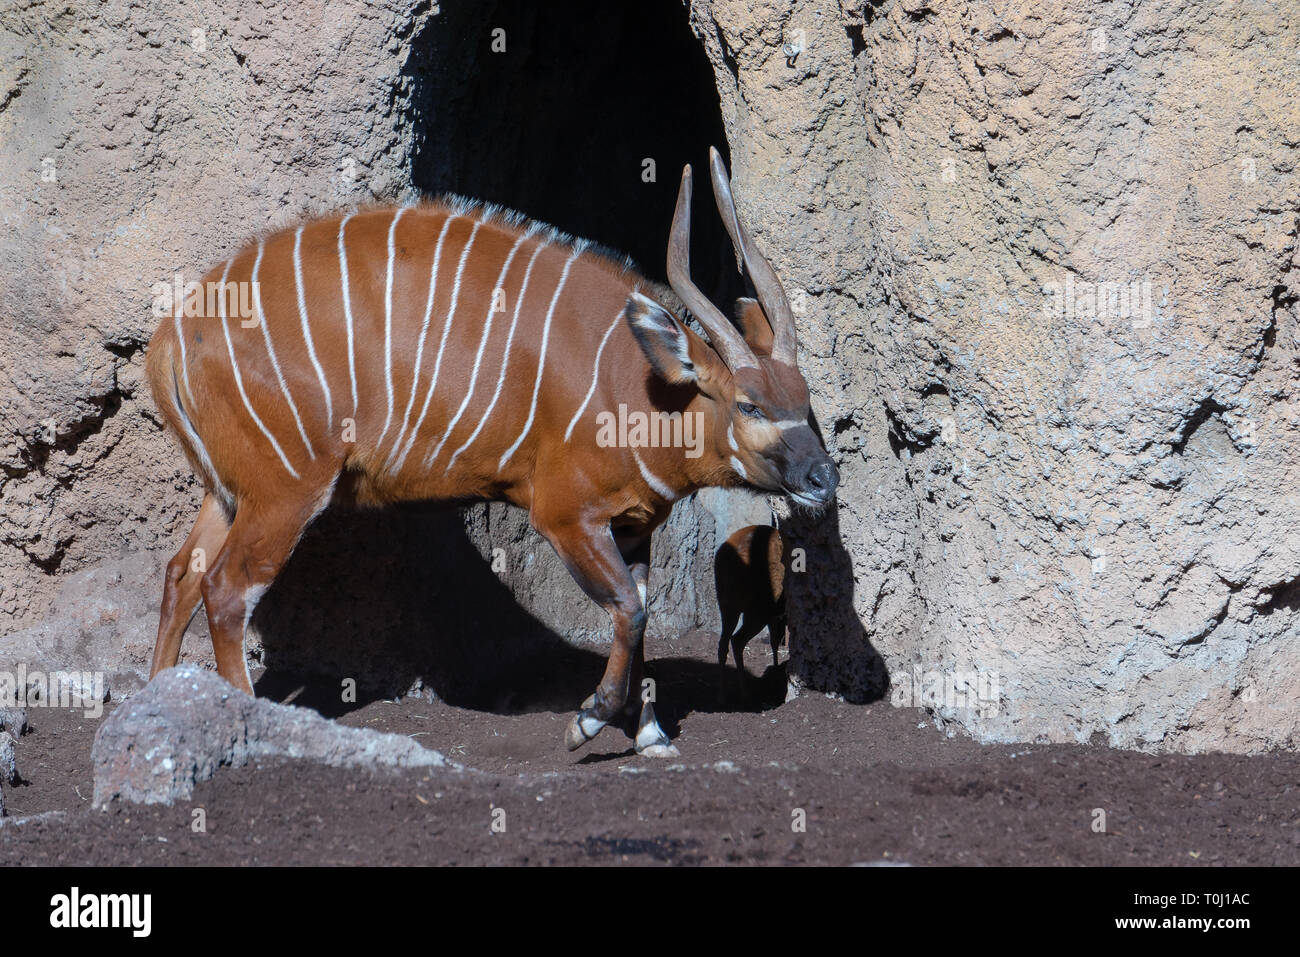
{"type": "Point", "coordinates": [753, 411]}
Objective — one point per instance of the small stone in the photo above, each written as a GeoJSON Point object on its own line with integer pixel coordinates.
{"type": "Point", "coordinates": [8, 760]}
{"type": "Point", "coordinates": [13, 721]}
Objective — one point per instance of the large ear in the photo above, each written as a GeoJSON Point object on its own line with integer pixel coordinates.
{"type": "Point", "coordinates": [662, 338]}
{"type": "Point", "coordinates": [754, 325]}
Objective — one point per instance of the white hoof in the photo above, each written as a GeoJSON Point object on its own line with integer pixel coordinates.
{"type": "Point", "coordinates": [582, 729]}
{"type": "Point", "coordinates": [659, 751]}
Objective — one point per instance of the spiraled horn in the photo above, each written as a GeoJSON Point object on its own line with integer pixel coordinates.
{"type": "Point", "coordinates": [726, 339]}
{"type": "Point", "coordinates": [766, 284]}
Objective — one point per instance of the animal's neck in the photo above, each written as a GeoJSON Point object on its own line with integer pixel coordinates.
{"type": "Point", "coordinates": [712, 466]}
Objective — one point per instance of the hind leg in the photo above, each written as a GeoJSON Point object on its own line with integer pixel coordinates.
{"type": "Point", "coordinates": [260, 540]}
{"type": "Point", "coordinates": [738, 642]}
{"type": "Point", "coordinates": [181, 597]}
{"type": "Point", "coordinates": [730, 620]}
{"type": "Point", "coordinates": [776, 632]}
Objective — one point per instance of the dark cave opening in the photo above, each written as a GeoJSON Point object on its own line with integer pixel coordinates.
{"type": "Point", "coordinates": [552, 111]}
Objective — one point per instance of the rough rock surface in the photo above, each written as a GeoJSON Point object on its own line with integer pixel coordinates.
{"type": "Point", "coordinates": [1087, 513]}
{"type": "Point", "coordinates": [187, 723]}
{"type": "Point", "coordinates": [1094, 503]}
{"type": "Point", "coordinates": [103, 620]}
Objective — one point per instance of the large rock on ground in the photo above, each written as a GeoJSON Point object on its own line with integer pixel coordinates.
{"type": "Point", "coordinates": [189, 722]}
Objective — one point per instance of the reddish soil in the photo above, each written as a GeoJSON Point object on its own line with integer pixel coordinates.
{"type": "Point", "coordinates": [875, 783]}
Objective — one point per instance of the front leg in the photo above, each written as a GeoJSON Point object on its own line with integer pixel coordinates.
{"type": "Point", "coordinates": [650, 737]}
{"type": "Point", "coordinates": [588, 549]}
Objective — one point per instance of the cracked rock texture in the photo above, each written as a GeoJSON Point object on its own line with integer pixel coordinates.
{"type": "Point", "coordinates": [1091, 498]}
{"type": "Point", "coordinates": [187, 723]}
{"type": "Point", "coordinates": [1044, 255]}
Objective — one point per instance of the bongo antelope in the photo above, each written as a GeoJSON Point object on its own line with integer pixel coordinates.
{"type": "Point", "coordinates": [454, 352]}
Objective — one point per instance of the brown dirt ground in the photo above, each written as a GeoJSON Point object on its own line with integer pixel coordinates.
{"type": "Point", "coordinates": [877, 784]}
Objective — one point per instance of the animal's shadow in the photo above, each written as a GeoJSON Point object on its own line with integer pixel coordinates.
{"type": "Point", "coordinates": [388, 601]}
{"type": "Point", "coordinates": [820, 603]}
{"type": "Point", "coordinates": [381, 603]}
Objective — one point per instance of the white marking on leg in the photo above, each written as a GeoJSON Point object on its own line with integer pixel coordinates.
{"type": "Point", "coordinates": [446, 330]}
{"type": "Point", "coordinates": [424, 331]}
{"type": "Point", "coordinates": [505, 356]}
{"type": "Point", "coordinates": [657, 485]}
{"type": "Point", "coordinates": [478, 359]}
{"type": "Point", "coordinates": [306, 330]}
{"type": "Point", "coordinates": [347, 309]}
{"type": "Point", "coordinates": [252, 596]}
{"type": "Point", "coordinates": [388, 325]}
{"type": "Point", "coordinates": [660, 751]}
{"type": "Point", "coordinates": [239, 382]}
{"type": "Point", "coordinates": [640, 590]}
{"type": "Point", "coordinates": [595, 376]}
{"type": "Point", "coordinates": [590, 725]}
{"type": "Point", "coordinates": [270, 351]}
{"type": "Point", "coordinates": [541, 357]}
{"type": "Point", "coordinates": [649, 735]}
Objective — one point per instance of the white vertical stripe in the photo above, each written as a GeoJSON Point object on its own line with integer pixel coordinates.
{"type": "Point", "coordinates": [270, 350]}
{"type": "Point", "coordinates": [347, 308]}
{"type": "Point", "coordinates": [541, 358]}
{"type": "Point", "coordinates": [656, 484]}
{"type": "Point", "coordinates": [306, 330]}
{"type": "Point", "coordinates": [446, 330]}
{"type": "Point", "coordinates": [424, 330]}
{"type": "Point", "coordinates": [595, 375]}
{"type": "Point", "coordinates": [478, 357]}
{"type": "Point", "coordinates": [205, 462]}
{"type": "Point", "coordinates": [180, 338]}
{"type": "Point", "coordinates": [239, 382]}
{"type": "Point", "coordinates": [388, 325]}
{"type": "Point", "coordinates": [505, 355]}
